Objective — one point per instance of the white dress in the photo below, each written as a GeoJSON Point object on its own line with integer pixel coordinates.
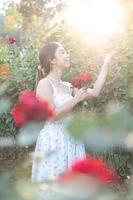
{"type": "Point", "coordinates": [57, 148]}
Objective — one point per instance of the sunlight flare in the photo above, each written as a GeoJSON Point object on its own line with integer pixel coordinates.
{"type": "Point", "coordinates": [100, 17]}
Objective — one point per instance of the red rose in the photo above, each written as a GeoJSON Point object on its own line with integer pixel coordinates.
{"type": "Point", "coordinates": [12, 40]}
{"type": "Point", "coordinates": [85, 77]}
{"type": "Point", "coordinates": [75, 81]}
{"type": "Point", "coordinates": [19, 114]}
{"type": "Point", "coordinates": [81, 79]}
{"type": "Point", "coordinates": [30, 108]}
{"type": "Point", "coordinates": [92, 166]}
{"type": "Point", "coordinates": [28, 99]}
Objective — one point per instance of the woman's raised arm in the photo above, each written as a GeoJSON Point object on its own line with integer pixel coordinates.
{"type": "Point", "coordinates": [98, 85]}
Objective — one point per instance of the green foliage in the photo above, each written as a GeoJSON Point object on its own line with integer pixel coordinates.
{"type": "Point", "coordinates": [8, 127]}
{"type": "Point", "coordinates": [13, 18]}
{"type": "Point", "coordinates": [108, 128]}
{"type": "Point", "coordinates": [4, 53]}
{"type": "Point", "coordinates": [38, 16]}
{"type": "Point", "coordinates": [23, 62]}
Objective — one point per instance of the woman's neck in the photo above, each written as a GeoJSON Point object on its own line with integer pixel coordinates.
{"type": "Point", "coordinates": [56, 75]}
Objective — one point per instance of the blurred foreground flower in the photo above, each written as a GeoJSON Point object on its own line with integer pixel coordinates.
{"type": "Point", "coordinates": [81, 80]}
{"type": "Point", "coordinates": [30, 108]}
{"type": "Point", "coordinates": [11, 40]}
{"type": "Point", "coordinates": [92, 167]}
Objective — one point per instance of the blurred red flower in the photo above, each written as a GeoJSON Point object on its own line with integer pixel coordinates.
{"type": "Point", "coordinates": [81, 79]}
{"type": "Point", "coordinates": [12, 40]}
{"type": "Point", "coordinates": [30, 108]}
{"type": "Point", "coordinates": [92, 166]}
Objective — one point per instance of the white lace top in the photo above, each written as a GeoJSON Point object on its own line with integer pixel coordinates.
{"type": "Point", "coordinates": [56, 147]}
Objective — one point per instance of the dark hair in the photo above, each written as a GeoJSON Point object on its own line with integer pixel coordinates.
{"type": "Point", "coordinates": [46, 54]}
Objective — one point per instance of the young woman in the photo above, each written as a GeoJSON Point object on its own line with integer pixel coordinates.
{"type": "Point", "coordinates": [57, 148]}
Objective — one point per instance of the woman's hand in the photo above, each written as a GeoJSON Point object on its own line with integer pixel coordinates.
{"type": "Point", "coordinates": [80, 94]}
{"type": "Point", "coordinates": [98, 85]}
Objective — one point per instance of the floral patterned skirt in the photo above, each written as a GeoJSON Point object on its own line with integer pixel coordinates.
{"type": "Point", "coordinates": [57, 150]}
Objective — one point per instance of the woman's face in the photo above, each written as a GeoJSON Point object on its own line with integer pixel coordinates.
{"type": "Point", "coordinates": [62, 58]}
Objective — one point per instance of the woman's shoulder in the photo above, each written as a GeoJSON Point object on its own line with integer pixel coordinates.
{"type": "Point", "coordinates": [45, 83]}
{"type": "Point", "coordinates": [46, 80]}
